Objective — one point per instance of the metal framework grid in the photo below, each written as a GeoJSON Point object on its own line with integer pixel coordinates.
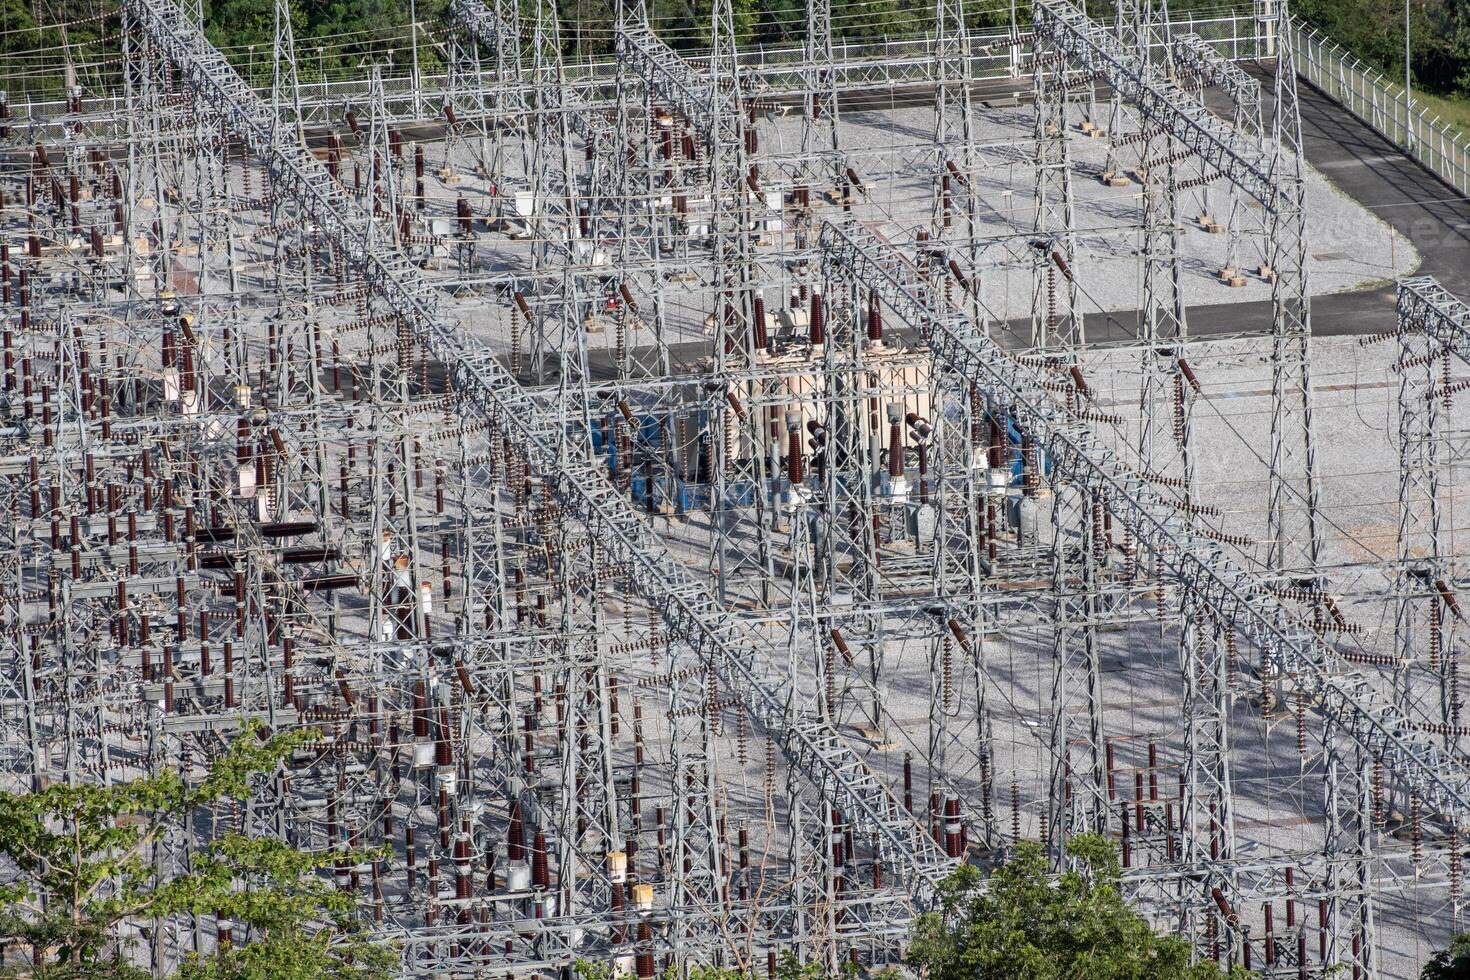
{"type": "Point", "coordinates": [677, 565]}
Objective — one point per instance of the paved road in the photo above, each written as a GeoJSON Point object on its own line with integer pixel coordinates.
{"type": "Point", "coordinates": [1375, 173]}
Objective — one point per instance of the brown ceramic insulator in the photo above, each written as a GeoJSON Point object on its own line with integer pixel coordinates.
{"type": "Point", "coordinates": [895, 450]}
{"type": "Point", "coordinates": [540, 870]}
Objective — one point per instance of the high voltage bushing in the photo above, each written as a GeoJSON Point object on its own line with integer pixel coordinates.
{"type": "Point", "coordinates": [531, 606]}
{"type": "Point", "coordinates": [211, 531]}
{"type": "Point", "coordinates": [485, 387]}
{"type": "Point", "coordinates": [1201, 568]}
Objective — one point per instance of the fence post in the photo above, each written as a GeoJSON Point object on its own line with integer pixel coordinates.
{"type": "Point", "coordinates": [1385, 107]}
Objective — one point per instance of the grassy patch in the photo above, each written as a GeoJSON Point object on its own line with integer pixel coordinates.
{"type": "Point", "coordinates": [1452, 110]}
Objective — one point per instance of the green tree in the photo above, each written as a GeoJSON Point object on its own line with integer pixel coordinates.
{"type": "Point", "coordinates": [1023, 926]}
{"type": "Point", "coordinates": [1443, 62]}
{"type": "Point", "coordinates": [83, 860]}
{"type": "Point", "coordinates": [1439, 35]}
{"type": "Point", "coordinates": [357, 32]}
{"type": "Point", "coordinates": [237, 26]}
{"type": "Point", "coordinates": [1451, 963]}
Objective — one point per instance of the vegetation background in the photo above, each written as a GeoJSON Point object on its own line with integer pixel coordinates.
{"type": "Point", "coordinates": [334, 36]}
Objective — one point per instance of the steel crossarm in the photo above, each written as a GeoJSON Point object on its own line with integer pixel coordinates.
{"type": "Point", "coordinates": [1425, 305]}
{"type": "Point", "coordinates": [1345, 697]}
{"type": "Point", "coordinates": [1193, 55]}
{"type": "Point", "coordinates": [495, 35]}
{"type": "Point", "coordinates": [501, 945]}
{"type": "Point", "coordinates": [483, 25]}
{"type": "Point", "coordinates": [699, 101]}
{"type": "Point", "coordinates": [742, 658]}
{"type": "Point", "coordinates": [1090, 47]}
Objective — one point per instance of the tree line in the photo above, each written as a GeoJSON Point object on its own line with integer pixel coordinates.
{"type": "Point", "coordinates": [1439, 37]}
{"type": "Point", "coordinates": [335, 37]}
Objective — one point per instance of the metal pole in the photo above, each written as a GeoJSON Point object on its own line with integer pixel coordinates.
{"type": "Point", "coordinates": [1408, 88]}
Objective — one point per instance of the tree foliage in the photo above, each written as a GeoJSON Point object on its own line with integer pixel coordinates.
{"type": "Point", "coordinates": [1439, 37]}
{"type": "Point", "coordinates": [1019, 925]}
{"type": "Point", "coordinates": [336, 37]}
{"type": "Point", "coordinates": [1450, 963]}
{"type": "Point", "coordinates": [83, 864]}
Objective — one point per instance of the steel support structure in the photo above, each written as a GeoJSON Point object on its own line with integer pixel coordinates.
{"type": "Point", "coordinates": [1345, 698]}
{"type": "Point", "coordinates": [737, 655]}
{"type": "Point", "coordinates": [1271, 175]}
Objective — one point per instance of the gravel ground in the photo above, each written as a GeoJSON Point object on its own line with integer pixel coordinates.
{"type": "Point", "coordinates": [892, 151]}
{"type": "Point", "coordinates": [1278, 789]}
